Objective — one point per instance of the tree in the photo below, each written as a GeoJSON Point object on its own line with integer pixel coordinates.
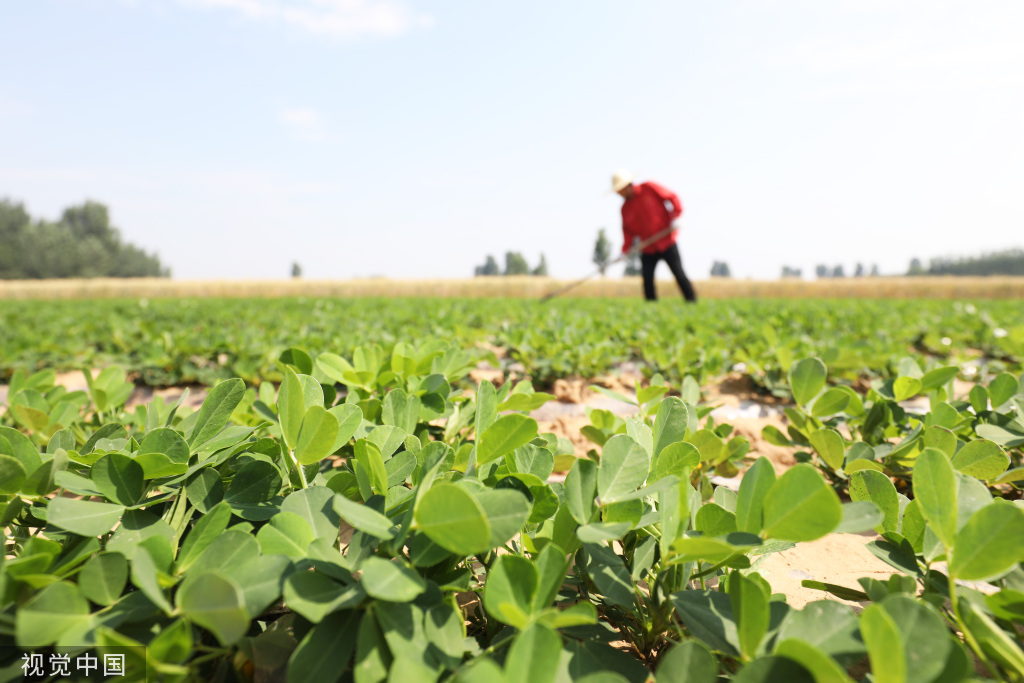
{"type": "Point", "coordinates": [633, 266]}
{"type": "Point", "coordinates": [859, 270]}
{"type": "Point", "coordinates": [602, 250]}
{"type": "Point", "coordinates": [788, 272]}
{"type": "Point", "coordinates": [542, 267]}
{"type": "Point", "coordinates": [81, 244]}
{"type": "Point", "coordinates": [916, 268]}
{"type": "Point", "coordinates": [296, 270]}
{"type": "Point", "coordinates": [821, 271]}
{"type": "Point", "coordinates": [720, 269]}
{"type": "Point", "coordinates": [838, 271]}
{"type": "Point", "coordinates": [874, 270]}
{"type": "Point", "coordinates": [489, 268]}
{"type": "Point", "coordinates": [515, 264]}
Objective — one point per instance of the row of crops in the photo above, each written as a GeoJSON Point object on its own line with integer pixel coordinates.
{"type": "Point", "coordinates": [181, 341]}
{"type": "Point", "coordinates": [368, 519]}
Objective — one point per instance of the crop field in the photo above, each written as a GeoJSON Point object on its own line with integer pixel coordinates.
{"type": "Point", "coordinates": [476, 490]}
{"type": "Point", "coordinates": [921, 287]}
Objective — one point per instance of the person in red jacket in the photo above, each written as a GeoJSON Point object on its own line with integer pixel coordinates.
{"type": "Point", "coordinates": [647, 228]}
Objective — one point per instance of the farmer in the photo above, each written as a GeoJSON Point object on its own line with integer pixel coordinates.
{"type": "Point", "coordinates": [647, 228]}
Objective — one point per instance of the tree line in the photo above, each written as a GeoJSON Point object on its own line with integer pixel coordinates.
{"type": "Point", "coordinates": [515, 264]}
{"type": "Point", "coordinates": [81, 244]}
{"type": "Point", "coordinates": [1005, 262]}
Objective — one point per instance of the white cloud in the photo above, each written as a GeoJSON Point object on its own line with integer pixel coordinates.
{"type": "Point", "coordinates": [304, 123]}
{"type": "Point", "coordinates": [332, 18]}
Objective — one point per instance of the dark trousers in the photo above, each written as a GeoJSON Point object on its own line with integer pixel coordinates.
{"type": "Point", "coordinates": [675, 264]}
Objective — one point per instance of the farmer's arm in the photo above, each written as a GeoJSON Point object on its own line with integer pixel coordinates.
{"type": "Point", "coordinates": [667, 195]}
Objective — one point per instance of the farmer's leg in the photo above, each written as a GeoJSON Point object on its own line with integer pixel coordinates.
{"type": "Point", "coordinates": [647, 264]}
{"type": "Point", "coordinates": [675, 263]}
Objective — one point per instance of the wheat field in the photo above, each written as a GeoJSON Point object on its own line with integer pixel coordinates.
{"type": "Point", "coordinates": [517, 287]}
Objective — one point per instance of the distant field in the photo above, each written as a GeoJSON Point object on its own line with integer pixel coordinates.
{"type": "Point", "coordinates": [518, 287]}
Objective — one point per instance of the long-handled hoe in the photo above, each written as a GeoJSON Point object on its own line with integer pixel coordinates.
{"type": "Point", "coordinates": [645, 243]}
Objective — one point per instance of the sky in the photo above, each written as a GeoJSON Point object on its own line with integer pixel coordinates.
{"type": "Point", "coordinates": [410, 139]}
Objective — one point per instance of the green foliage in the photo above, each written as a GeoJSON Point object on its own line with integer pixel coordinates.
{"type": "Point", "coordinates": [81, 244]}
{"type": "Point", "coordinates": [373, 519]}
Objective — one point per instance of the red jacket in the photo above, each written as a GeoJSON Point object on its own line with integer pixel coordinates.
{"type": "Point", "coordinates": [645, 215]}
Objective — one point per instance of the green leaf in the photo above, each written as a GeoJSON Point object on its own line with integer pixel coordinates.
{"type": "Point", "coordinates": [504, 436]}
{"type": "Point", "coordinates": [18, 446]}
{"type": "Point", "coordinates": [509, 590]}
{"type": "Point", "coordinates": [676, 459]}
{"type": "Point", "coordinates": [323, 654]}
{"type": "Point", "coordinates": [119, 478]}
{"type": "Point", "coordinates": [884, 644]}
{"type": "Point", "coordinates": [316, 596]}
{"type": "Point", "coordinates": [670, 424]}
{"type": "Point", "coordinates": [370, 461]}
{"type": "Point", "coordinates": [750, 610]}
{"type": "Point", "coordinates": [316, 435]}
{"type": "Point", "coordinates": [935, 490]}
{"type": "Point", "coordinates": [904, 388]}
{"type": "Point", "coordinates": [708, 616]}
{"type": "Point", "coordinates": [83, 517]}
{"type": "Point", "coordinates": [807, 379]}
{"type": "Point", "coordinates": [102, 579]}
{"type": "Point", "coordinates": [12, 474]}
{"type": "Point", "coordinates": [206, 530]}
{"type": "Point", "coordinates": [771, 669]}
{"type": "Point", "coordinates": [216, 410]}
{"type": "Point", "coordinates": [164, 441]}
{"type": "Point", "coordinates": [144, 577]}
{"type": "Point", "coordinates": [933, 379]}
{"type": "Point", "coordinates": [386, 580]}
{"type": "Point", "coordinates": [507, 511]}
{"type": "Point", "coordinates": [610, 575]}
{"type": "Point", "coordinates": [688, 662]}
{"type": "Point", "coordinates": [255, 482]}
{"type": "Point", "coordinates": [754, 487]}
{"type": "Point", "coordinates": [829, 626]}
{"type": "Point", "coordinates": [231, 548]}
{"type": "Point", "coordinates": [287, 534]}
{"type": "Point", "coordinates": [453, 519]}
{"type": "Point", "coordinates": [823, 668]}
{"type": "Point", "coordinates": [800, 506]}
{"type": "Point", "coordinates": [925, 637]}
{"type": "Point", "coordinates": [989, 544]}
{"type": "Point", "coordinates": [994, 641]}
{"type": "Point", "coordinates": [205, 489]}
{"type": "Point", "coordinates": [1002, 388]}
{"type": "Point", "coordinates": [829, 445]}
{"type": "Point", "coordinates": [349, 417]}
{"type": "Point", "coordinates": [982, 459]}
{"type": "Point", "coordinates": [941, 439]}
{"type": "Point", "coordinates": [831, 402]}
{"type": "Point", "coordinates": [623, 468]}
{"type": "Point", "coordinates": [372, 658]}
{"type": "Point", "coordinates": [581, 489]}
{"type": "Point", "coordinates": [859, 517]}
{"type": "Point", "coordinates": [869, 485]}
{"type": "Point", "coordinates": [364, 518]}
{"type": "Point", "coordinates": [49, 614]}
{"type": "Point", "coordinates": [291, 407]}
{"type": "Point", "coordinates": [315, 505]}
{"type": "Point", "coordinates": [261, 579]}
{"type": "Point", "coordinates": [534, 656]}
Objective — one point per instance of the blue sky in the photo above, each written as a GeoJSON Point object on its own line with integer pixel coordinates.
{"type": "Point", "coordinates": [411, 139]}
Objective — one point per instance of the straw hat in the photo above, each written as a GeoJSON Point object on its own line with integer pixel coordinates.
{"type": "Point", "coordinates": [621, 179]}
